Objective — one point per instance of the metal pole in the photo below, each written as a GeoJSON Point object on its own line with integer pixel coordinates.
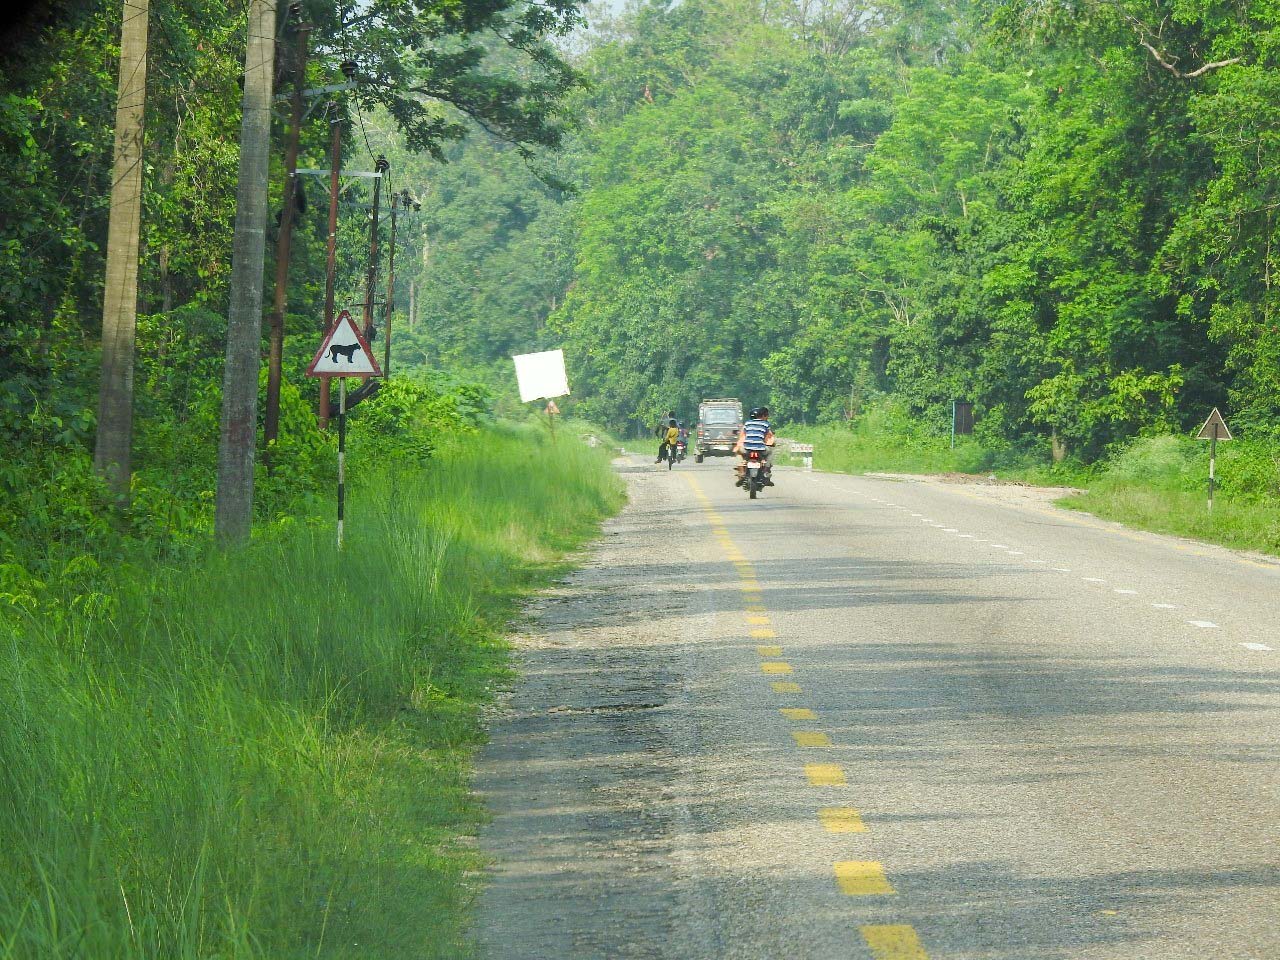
{"type": "Point", "coordinates": [953, 424]}
{"type": "Point", "coordinates": [391, 290]}
{"type": "Point", "coordinates": [1213, 456]}
{"type": "Point", "coordinates": [275, 358]}
{"type": "Point", "coordinates": [342, 453]}
{"type": "Point", "coordinates": [371, 275]}
{"type": "Point", "coordinates": [331, 250]}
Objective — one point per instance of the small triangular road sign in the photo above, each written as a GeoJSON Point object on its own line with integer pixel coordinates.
{"type": "Point", "coordinates": [344, 353]}
{"type": "Point", "coordinates": [1207, 432]}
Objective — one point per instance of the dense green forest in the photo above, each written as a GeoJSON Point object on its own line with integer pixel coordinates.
{"type": "Point", "coordinates": [1061, 212]}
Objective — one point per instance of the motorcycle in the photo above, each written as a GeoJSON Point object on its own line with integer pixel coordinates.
{"type": "Point", "coordinates": [682, 448]}
{"type": "Point", "coordinates": [757, 471]}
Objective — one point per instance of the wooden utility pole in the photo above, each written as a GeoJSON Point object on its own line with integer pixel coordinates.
{"type": "Point", "coordinates": [275, 356]}
{"type": "Point", "coordinates": [234, 512]}
{"type": "Point", "coordinates": [112, 449]}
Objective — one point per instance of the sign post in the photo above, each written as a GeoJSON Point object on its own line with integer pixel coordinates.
{"type": "Point", "coordinates": [552, 410]}
{"type": "Point", "coordinates": [1214, 429]}
{"type": "Point", "coordinates": [961, 420]}
{"type": "Point", "coordinates": [343, 353]}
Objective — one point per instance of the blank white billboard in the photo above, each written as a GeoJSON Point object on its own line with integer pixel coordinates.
{"type": "Point", "coordinates": [541, 376]}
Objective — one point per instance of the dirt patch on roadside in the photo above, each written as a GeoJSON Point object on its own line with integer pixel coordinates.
{"type": "Point", "coordinates": [990, 486]}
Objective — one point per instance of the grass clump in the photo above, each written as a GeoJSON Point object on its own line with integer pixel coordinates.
{"type": "Point", "coordinates": [266, 754]}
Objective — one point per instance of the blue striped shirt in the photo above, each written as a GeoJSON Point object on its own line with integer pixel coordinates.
{"type": "Point", "coordinates": [753, 434]}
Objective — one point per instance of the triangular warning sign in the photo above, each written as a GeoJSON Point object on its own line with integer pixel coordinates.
{"type": "Point", "coordinates": [344, 353]}
{"type": "Point", "coordinates": [1208, 432]}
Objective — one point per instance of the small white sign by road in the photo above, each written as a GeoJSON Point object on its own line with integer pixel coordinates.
{"type": "Point", "coordinates": [344, 353]}
{"type": "Point", "coordinates": [802, 448]}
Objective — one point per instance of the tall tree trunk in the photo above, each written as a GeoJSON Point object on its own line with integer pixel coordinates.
{"type": "Point", "coordinates": [111, 454]}
{"type": "Point", "coordinates": [234, 514]}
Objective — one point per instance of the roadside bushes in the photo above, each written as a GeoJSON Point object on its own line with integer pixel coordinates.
{"type": "Point", "coordinates": [54, 510]}
{"type": "Point", "coordinates": [1247, 470]}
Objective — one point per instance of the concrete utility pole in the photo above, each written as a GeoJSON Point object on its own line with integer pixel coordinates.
{"type": "Point", "coordinates": [234, 513]}
{"type": "Point", "coordinates": [112, 449]}
{"type": "Point", "coordinates": [331, 245]}
{"type": "Point", "coordinates": [391, 283]}
{"type": "Point", "coordinates": [275, 357]}
{"type": "Point", "coordinates": [371, 273]}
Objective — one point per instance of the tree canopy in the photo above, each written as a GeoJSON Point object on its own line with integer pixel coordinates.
{"type": "Point", "coordinates": [1062, 213]}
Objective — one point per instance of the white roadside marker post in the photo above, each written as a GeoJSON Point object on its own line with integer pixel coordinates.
{"type": "Point", "coordinates": [342, 454]}
{"type": "Point", "coordinates": [806, 451]}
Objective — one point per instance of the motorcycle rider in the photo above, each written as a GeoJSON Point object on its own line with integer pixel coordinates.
{"type": "Point", "coordinates": [682, 438]}
{"type": "Point", "coordinates": [661, 434]}
{"type": "Point", "coordinates": [756, 436]}
{"type": "Point", "coordinates": [672, 437]}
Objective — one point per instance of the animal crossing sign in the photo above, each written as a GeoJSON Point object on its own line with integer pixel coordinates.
{"type": "Point", "coordinates": [344, 353]}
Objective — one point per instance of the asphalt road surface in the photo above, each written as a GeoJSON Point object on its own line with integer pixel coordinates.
{"type": "Point", "coordinates": [866, 718]}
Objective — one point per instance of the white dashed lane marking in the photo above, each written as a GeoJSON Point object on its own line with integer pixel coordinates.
{"type": "Point", "coordinates": [1122, 591]}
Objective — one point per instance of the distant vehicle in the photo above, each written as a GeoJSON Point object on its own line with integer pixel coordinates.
{"type": "Point", "coordinates": [718, 424]}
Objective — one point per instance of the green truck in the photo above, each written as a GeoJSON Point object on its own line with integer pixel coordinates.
{"type": "Point", "coordinates": [718, 424]}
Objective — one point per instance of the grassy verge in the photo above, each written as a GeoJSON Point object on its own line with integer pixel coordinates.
{"type": "Point", "coordinates": [267, 755]}
{"type": "Point", "coordinates": [1244, 526]}
{"type": "Point", "coordinates": [1155, 483]}
{"type": "Point", "coordinates": [875, 447]}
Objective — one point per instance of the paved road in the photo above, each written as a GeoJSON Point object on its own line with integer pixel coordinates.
{"type": "Point", "coordinates": [861, 718]}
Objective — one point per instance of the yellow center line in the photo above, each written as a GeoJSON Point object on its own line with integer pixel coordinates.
{"type": "Point", "coordinates": [893, 942]}
{"type": "Point", "coordinates": [769, 651]}
{"type": "Point", "coordinates": [798, 713]}
{"type": "Point", "coordinates": [841, 820]}
{"type": "Point", "coordinates": [785, 686]}
{"type": "Point", "coordinates": [775, 666]}
{"type": "Point", "coordinates": [824, 774]}
{"type": "Point", "coordinates": [810, 738]}
{"type": "Point", "coordinates": [756, 619]}
{"type": "Point", "coordinates": [762, 633]}
{"type": "Point", "coordinates": [861, 878]}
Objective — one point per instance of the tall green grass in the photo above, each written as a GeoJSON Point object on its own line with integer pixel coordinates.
{"type": "Point", "coordinates": [266, 755]}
